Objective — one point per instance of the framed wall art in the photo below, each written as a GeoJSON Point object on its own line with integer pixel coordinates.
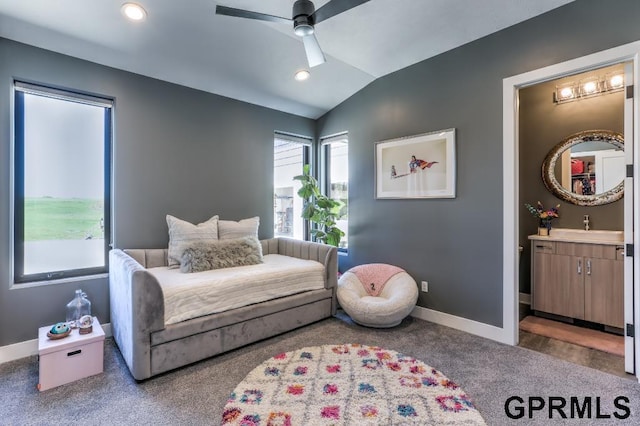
{"type": "Point", "coordinates": [420, 166]}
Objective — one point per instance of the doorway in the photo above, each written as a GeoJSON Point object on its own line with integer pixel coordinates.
{"type": "Point", "coordinates": [558, 323]}
{"type": "Point", "coordinates": [513, 203]}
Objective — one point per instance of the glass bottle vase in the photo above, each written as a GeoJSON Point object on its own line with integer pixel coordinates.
{"type": "Point", "coordinates": [79, 306]}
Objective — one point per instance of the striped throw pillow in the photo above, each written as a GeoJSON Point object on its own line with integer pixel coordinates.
{"type": "Point", "coordinates": [182, 234]}
{"type": "Point", "coordinates": [229, 229]}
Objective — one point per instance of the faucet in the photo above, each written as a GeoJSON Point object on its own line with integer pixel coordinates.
{"type": "Point", "coordinates": [586, 222]}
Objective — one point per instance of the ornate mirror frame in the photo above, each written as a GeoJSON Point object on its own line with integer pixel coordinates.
{"type": "Point", "coordinates": [549, 165]}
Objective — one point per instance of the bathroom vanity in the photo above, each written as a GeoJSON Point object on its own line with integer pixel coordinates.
{"type": "Point", "coordinates": [579, 274]}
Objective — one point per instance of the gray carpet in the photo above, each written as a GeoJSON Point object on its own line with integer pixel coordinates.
{"type": "Point", "coordinates": [489, 372]}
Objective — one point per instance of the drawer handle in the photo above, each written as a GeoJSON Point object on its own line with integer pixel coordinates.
{"type": "Point", "coordinates": [579, 266]}
{"type": "Point", "coordinates": [72, 353]}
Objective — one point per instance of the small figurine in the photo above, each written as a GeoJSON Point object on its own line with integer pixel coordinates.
{"type": "Point", "coordinates": [59, 330]}
{"type": "Point", "coordinates": [85, 324]}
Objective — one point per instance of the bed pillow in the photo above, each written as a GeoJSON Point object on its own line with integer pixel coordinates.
{"type": "Point", "coordinates": [182, 234]}
{"type": "Point", "coordinates": [229, 229]}
{"type": "Point", "coordinates": [220, 254]}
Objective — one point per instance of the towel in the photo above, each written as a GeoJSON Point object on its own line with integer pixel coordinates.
{"type": "Point", "coordinates": [374, 276]}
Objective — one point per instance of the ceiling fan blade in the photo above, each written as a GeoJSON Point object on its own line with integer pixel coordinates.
{"type": "Point", "coordinates": [314, 53]}
{"type": "Point", "coordinates": [241, 13]}
{"type": "Point", "coordinates": [333, 8]}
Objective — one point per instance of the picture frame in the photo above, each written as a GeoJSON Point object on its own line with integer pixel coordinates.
{"type": "Point", "coordinates": [419, 166]}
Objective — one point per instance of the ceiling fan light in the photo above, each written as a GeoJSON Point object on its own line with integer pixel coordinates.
{"type": "Point", "coordinates": [302, 75]}
{"type": "Point", "coordinates": [303, 30]}
{"type": "Point", "coordinates": [133, 11]}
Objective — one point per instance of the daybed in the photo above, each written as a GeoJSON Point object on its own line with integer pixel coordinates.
{"type": "Point", "coordinates": [150, 345]}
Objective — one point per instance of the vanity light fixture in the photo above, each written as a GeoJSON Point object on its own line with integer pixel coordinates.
{"type": "Point", "coordinates": [302, 75]}
{"type": "Point", "coordinates": [588, 87]}
{"type": "Point", "coordinates": [133, 11]}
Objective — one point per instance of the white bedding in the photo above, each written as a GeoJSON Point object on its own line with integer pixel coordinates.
{"type": "Point", "coordinates": [192, 295]}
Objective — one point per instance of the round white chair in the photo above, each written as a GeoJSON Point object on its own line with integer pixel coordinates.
{"type": "Point", "coordinates": [396, 300]}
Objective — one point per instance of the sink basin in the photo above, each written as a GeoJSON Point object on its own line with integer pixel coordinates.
{"type": "Point", "coordinates": [585, 236]}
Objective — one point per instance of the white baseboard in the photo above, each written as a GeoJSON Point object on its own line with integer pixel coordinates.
{"type": "Point", "coordinates": [30, 347]}
{"type": "Point", "coordinates": [463, 324]}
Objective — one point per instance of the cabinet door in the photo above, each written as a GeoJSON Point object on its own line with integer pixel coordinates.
{"type": "Point", "coordinates": [575, 305]}
{"type": "Point", "coordinates": [604, 291]}
{"type": "Point", "coordinates": [552, 289]}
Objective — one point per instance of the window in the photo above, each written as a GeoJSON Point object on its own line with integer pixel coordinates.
{"type": "Point", "coordinates": [290, 153]}
{"type": "Point", "coordinates": [335, 157]}
{"type": "Point", "coordinates": [61, 184]}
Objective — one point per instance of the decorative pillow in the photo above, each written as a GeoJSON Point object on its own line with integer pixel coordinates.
{"type": "Point", "coordinates": [220, 254]}
{"type": "Point", "coordinates": [182, 234]}
{"type": "Point", "coordinates": [228, 229]}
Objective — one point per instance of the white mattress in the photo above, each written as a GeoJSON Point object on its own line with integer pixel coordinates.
{"type": "Point", "coordinates": [190, 295]}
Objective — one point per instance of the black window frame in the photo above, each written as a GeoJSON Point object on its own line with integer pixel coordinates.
{"type": "Point", "coordinates": [20, 89]}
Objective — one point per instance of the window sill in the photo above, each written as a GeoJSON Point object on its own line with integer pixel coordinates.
{"type": "Point", "coordinates": [18, 286]}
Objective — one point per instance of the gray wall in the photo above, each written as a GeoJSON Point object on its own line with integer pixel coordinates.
{"type": "Point", "coordinates": [543, 124]}
{"type": "Point", "coordinates": [176, 151]}
{"type": "Point", "coordinates": [456, 244]}
{"type": "Point", "coordinates": [180, 151]}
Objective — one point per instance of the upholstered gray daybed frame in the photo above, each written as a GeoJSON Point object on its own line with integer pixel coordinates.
{"type": "Point", "coordinates": [149, 347]}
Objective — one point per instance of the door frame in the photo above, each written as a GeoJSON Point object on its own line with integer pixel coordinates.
{"type": "Point", "coordinates": [510, 162]}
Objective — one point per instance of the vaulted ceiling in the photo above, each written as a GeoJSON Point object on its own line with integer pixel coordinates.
{"type": "Point", "coordinates": [185, 42]}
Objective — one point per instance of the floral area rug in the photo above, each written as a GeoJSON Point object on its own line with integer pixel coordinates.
{"type": "Point", "coordinates": [347, 385]}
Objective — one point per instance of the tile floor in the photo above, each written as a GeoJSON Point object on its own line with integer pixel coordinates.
{"type": "Point", "coordinates": [593, 358]}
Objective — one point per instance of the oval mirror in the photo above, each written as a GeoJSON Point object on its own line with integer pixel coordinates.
{"type": "Point", "coordinates": [586, 168]}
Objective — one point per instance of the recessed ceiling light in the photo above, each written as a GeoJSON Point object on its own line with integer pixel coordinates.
{"type": "Point", "coordinates": [133, 11]}
{"type": "Point", "coordinates": [302, 75]}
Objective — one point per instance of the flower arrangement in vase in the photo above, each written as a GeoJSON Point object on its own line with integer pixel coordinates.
{"type": "Point", "coordinates": [544, 216]}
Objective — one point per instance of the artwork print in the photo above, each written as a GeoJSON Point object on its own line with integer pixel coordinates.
{"type": "Point", "coordinates": [421, 166]}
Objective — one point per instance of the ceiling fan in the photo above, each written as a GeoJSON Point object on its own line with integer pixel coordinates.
{"type": "Point", "coordinates": [304, 17]}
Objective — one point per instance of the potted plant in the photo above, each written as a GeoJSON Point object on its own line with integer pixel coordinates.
{"type": "Point", "coordinates": [319, 209]}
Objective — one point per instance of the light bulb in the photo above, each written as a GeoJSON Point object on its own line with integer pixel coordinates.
{"type": "Point", "coordinates": [566, 93]}
{"type": "Point", "coordinates": [589, 87]}
{"type": "Point", "coordinates": [616, 81]}
{"type": "Point", "coordinates": [133, 11]}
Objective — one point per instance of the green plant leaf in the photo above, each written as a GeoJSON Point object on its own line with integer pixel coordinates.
{"type": "Point", "coordinates": [305, 192]}
{"type": "Point", "coordinates": [308, 211]}
{"type": "Point", "coordinates": [325, 203]}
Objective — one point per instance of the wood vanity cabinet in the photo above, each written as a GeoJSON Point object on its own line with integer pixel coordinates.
{"type": "Point", "coordinates": [579, 280]}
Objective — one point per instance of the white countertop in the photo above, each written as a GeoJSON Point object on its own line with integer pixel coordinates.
{"type": "Point", "coordinates": [581, 236]}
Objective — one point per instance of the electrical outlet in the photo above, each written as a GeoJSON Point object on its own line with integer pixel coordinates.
{"type": "Point", "coordinates": [425, 286]}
